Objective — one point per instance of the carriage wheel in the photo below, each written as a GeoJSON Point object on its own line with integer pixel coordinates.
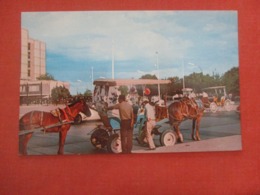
{"type": "Point", "coordinates": [114, 144]}
{"type": "Point", "coordinates": [213, 107]}
{"type": "Point", "coordinates": [99, 138]}
{"type": "Point", "coordinates": [227, 105]}
{"type": "Point", "coordinates": [168, 138]}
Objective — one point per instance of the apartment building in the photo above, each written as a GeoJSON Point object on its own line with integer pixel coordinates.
{"type": "Point", "coordinates": [33, 64]}
{"type": "Point", "coordinates": [33, 57]}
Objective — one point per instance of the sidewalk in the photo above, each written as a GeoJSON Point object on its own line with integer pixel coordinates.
{"type": "Point", "coordinates": [229, 143]}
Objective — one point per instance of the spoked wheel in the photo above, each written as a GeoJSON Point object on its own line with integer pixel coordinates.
{"type": "Point", "coordinates": [99, 138]}
{"type": "Point", "coordinates": [213, 107]}
{"type": "Point", "coordinates": [168, 138]}
{"type": "Point", "coordinates": [114, 144]}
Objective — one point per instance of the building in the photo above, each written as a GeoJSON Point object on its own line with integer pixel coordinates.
{"type": "Point", "coordinates": [33, 57]}
{"type": "Point", "coordinates": [38, 91]}
{"type": "Point", "coordinates": [33, 65]}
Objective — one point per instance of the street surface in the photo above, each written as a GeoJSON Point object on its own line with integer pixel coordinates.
{"type": "Point", "coordinates": [219, 131]}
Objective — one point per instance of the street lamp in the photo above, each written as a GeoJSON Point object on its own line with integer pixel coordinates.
{"type": "Point", "coordinates": [79, 81]}
{"type": "Point", "coordinates": [157, 65]}
{"type": "Point", "coordinates": [183, 78]}
{"type": "Point", "coordinates": [196, 66]}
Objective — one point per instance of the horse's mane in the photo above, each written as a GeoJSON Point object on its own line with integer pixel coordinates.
{"type": "Point", "coordinates": [74, 102]}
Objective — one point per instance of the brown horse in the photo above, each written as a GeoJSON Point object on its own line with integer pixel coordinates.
{"type": "Point", "coordinates": [50, 122]}
{"type": "Point", "coordinates": [185, 108]}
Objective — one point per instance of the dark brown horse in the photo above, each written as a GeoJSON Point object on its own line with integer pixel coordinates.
{"type": "Point", "coordinates": [186, 108]}
{"type": "Point", "coordinates": [60, 121]}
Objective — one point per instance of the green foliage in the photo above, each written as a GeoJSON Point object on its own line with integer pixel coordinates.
{"type": "Point", "coordinates": [231, 80]}
{"type": "Point", "coordinates": [174, 87]}
{"type": "Point", "coordinates": [46, 76]}
{"type": "Point", "coordinates": [60, 93]}
{"type": "Point", "coordinates": [123, 90]}
{"type": "Point", "coordinates": [196, 81]}
{"type": "Point", "coordinates": [88, 92]}
{"type": "Point", "coordinates": [153, 88]}
{"type": "Point", "coordinates": [148, 76]}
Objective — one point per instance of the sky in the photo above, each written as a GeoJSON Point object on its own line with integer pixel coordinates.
{"type": "Point", "coordinates": [161, 43]}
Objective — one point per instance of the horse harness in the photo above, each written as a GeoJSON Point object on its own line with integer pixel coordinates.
{"type": "Point", "coordinates": [66, 111]}
{"type": "Point", "coordinates": [56, 113]}
{"type": "Point", "coordinates": [191, 103]}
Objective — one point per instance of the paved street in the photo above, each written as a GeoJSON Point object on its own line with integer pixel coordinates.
{"type": "Point", "coordinates": [219, 131]}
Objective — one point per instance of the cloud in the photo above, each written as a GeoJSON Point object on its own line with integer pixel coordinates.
{"type": "Point", "coordinates": [207, 38]}
{"type": "Point", "coordinates": [91, 35]}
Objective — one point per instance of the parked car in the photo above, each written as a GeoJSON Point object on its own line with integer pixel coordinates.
{"type": "Point", "coordinates": [82, 117]}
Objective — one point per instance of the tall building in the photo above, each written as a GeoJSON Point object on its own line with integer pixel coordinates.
{"type": "Point", "coordinates": [33, 64]}
{"type": "Point", "coordinates": [33, 57]}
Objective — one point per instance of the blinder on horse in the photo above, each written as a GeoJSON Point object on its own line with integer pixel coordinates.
{"type": "Point", "coordinates": [50, 123]}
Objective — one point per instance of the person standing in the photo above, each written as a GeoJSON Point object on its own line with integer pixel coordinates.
{"type": "Point", "coordinates": [150, 123]}
{"type": "Point", "coordinates": [127, 121]}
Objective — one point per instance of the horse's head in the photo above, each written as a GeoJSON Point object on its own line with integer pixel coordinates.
{"type": "Point", "coordinates": [85, 108]}
{"type": "Point", "coordinates": [81, 106]}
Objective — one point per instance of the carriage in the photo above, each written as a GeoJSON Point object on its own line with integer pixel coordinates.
{"type": "Point", "coordinates": [218, 98]}
{"type": "Point", "coordinates": [214, 98]}
{"type": "Point", "coordinates": [105, 94]}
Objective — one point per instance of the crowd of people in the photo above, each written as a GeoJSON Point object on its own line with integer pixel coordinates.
{"type": "Point", "coordinates": [128, 113]}
{"type": "Point", "coordinates": [131, 112]}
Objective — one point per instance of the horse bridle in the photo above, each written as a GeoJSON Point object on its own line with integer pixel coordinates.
{"type": "Point", "coordinates": [67, 114]}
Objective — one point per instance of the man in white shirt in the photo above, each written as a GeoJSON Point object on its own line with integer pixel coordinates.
{"type": "Point", "coordinates": [150, 123]}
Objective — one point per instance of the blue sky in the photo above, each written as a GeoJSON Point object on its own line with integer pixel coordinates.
{"type": "Point", "coordinates": [77, 41]}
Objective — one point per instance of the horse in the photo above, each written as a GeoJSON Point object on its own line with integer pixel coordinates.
{"type": "Point", "coordinates": [58, 121]}
{"type": "Point", "coordinates": [186, 108]}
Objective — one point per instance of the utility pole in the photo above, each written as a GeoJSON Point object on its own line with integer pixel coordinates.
{"type": "Point", "coordinates": [113, 65]}
{"type": "Point", "coordinates": [159, 89]}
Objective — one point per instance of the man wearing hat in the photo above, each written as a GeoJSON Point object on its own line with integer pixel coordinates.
{"type": "Point", "coordinates": [127, 122]}
{"type": "Point", "coordinates": [150, 122]}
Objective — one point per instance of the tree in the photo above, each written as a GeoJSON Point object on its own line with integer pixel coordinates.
{"type": "Point", "coordinates": [175, 87]}
{"type": "Point", "coordinates": [45, 76]}
{"type": "Point", "coordinates": [148, 76]}
{"type": "Point", "coordinates": [88, 92]}
{"type": "Point", "coordinates": [231, 80]}
{"type": "Point", "coordinates": [153, 88]}
{"type": "Point", "coordinates": [123, 90]}
{"type": "Point", "coordinates": [59, 94]}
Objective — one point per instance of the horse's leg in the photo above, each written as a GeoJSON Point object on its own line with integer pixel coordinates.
{"type": "Point", "coordinates": [194, 121]}
{"type": "Point", "coordinates": [23, 141]}
{"type": "Point", "coordinates": [62, 138]}
{"type": "Point", "coordinates": [178, 132]}
{"type": "Point", "coordinates": [197, 136]}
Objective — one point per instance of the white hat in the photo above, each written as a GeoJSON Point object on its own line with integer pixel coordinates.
{"type": "Point", "coordinates": [145, 99]}
{"type": "Point", "coordinates": [155, 99]}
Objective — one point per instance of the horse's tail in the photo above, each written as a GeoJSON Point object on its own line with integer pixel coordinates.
{"type": "Point", "coordinates": [21, 137]}
{"type": "Point", "coordinates": [174, 112]}
{"type": "Point", "coordinates": [21, 124]}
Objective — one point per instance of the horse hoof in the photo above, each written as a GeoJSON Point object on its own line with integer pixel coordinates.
{"type": "Point", "coordinates": [195, 138]}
